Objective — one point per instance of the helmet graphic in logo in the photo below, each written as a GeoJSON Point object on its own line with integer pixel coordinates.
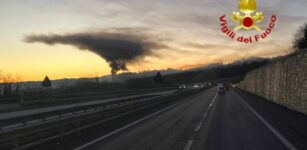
{"type": "Point", "coordinates": [248, 20]}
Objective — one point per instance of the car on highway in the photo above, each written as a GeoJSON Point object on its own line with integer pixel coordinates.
{"type": "Point", "coordinates": [227, 87]}
{"type": "Point", "coordinates": [182, 87]}
{"type": "Point", "coordinates": [221, 90]}
{"type": "Point", "coordinates": [196, 86]}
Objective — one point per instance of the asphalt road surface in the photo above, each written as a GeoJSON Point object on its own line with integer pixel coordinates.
{"type": "Point", "coordinates": [207, 121]}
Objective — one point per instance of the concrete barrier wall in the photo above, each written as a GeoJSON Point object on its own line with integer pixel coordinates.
{"type": "Point", "coordinates": [283, 81]}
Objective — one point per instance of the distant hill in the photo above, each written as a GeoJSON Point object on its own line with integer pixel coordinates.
{"type": "Point", "coordinates": [171, 76]}
{"type": "Point", "coordinates": [234, 71]}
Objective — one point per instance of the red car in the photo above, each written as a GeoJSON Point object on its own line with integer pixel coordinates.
{"type": "Point", "coordinates": [221, 90]}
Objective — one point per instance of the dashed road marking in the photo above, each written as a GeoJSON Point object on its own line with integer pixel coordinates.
{"type": "Point", "coordinates": [188, 145]}
{"type": "Point", "coordinates": [205, 115]}
{"type": "Point", "coordinates": [198, 126]}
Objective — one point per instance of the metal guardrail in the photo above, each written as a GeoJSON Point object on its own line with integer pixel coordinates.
{"type": "Point", "coordinates": [91, 95]}
{"type": "Point", "coordinates": [26, 119]}
{"type": "Point", "coordinates": [82, 95]}
{"type": "Point", "coordinates": [114, 92]}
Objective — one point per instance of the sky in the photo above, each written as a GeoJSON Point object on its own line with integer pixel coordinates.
{"type": "Point", "coordinates": [80, 38]}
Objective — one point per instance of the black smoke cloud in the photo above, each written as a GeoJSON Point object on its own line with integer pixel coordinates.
{"type": "Point", "coordinates": [117, 49]}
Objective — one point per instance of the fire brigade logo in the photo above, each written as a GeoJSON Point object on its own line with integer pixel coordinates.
{"type": "Point", "coordinates": [248, 20]}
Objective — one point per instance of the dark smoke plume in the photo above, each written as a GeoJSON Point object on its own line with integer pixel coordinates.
{"type": "Point", "coordinates": [117, 49]}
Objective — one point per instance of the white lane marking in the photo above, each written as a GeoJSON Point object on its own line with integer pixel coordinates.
{"type": "Point", "coordinates": [125, 127]}
{"type": "Point", "coordinates": [212, 102]}
{"type": "Point", "coordinates": [34, 121]}
{"type": "Point", "coordinates": [189, 145]}
{"type": "Point", "coordinates": [11, 126]}
{"type": "Point", "coordinates": [271, 128]}
{"type": "Point", "coordinates": [190, 142]}
{"type": "Point", "coordinates": [198, 126]}
{"type": "Point", "coordinates": [205, 115]}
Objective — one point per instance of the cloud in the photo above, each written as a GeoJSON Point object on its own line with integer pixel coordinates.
{"type": "Point", "coordinates": [193, 26]}
{"type": "Point", "coordinates": [118, 47]}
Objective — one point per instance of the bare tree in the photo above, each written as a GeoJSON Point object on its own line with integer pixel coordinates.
{"type": "Point", "coordinates": [96, 77]}
{"type": "Point", "coordinates": [0, 76]}
{"type": "Point", "coordinates": [18, 79]}
{"type": "Point", "coordinates": [1, 82]}
{"type": "Point", "coordinates": [300, 39]}
{"type": "Point", "coordinates": [7, 81]}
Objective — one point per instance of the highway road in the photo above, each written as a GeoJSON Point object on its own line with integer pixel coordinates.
{"type": "Point", "coordinates": [234, 121]}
